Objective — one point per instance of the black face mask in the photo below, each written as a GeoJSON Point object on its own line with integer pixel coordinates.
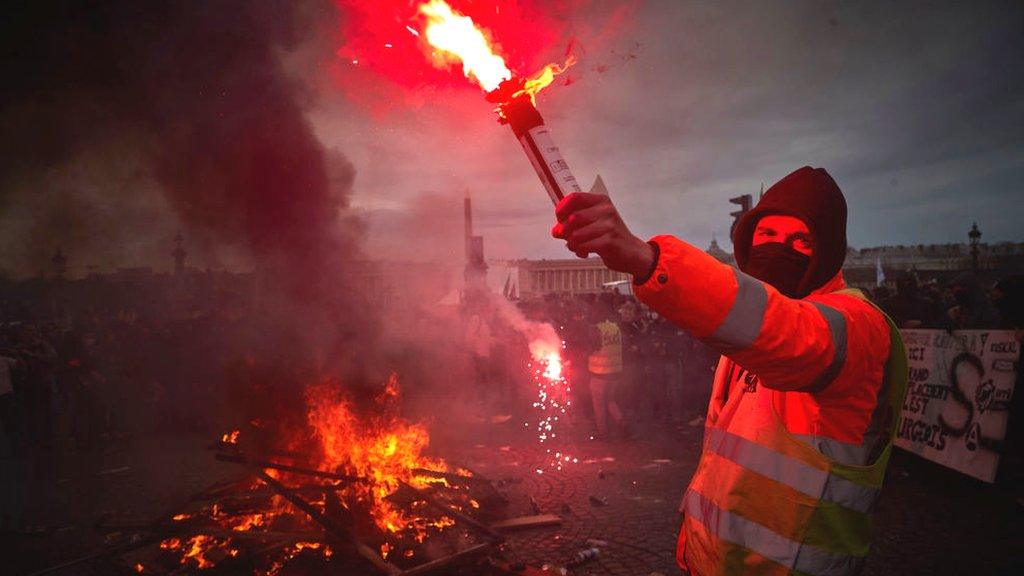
{"type": "Point", "coordinates": [779, 265]}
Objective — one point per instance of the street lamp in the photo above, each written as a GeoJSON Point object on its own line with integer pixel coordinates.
{"type": "Point", "coordinates": [975, 237]}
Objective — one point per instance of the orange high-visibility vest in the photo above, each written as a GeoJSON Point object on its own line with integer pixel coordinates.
{"type": "Point", "coordinates": [764, 501]}
{"type": "Point", "coordinates": [767, 499]}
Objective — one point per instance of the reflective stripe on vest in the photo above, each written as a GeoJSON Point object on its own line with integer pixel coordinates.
{"type": "Point", "coordinates": [736, 529]}
{"type": "Point", "coordinates": [837, 327]}
{"type": "Point", "coordinates": [799, 476]}
{"type": "Point", "coordinates": [853, 454]}
{"type": "Point", "coordinates": [742, 324]}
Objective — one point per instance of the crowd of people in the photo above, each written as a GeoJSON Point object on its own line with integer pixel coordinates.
{"type": "Point", "coordinates": [113, 372]}
{"type": "Point", "coordinates": [628, 366]}
{"type": "Point", "coordinates": [658, 372]}
{"type": "Point", "coordinates": [963, 303]}
{"type": "Point", "coordinates": [77, 379]}
{"type": "Point", "coordinates": [78, 385]}
{"type": "Point", "coordinates": [87, 381]}
{"type": "Point", "coordinates": [100, 378]}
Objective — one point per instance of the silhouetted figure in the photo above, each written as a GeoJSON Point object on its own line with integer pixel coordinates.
{"type": "Point", "coordinates": [972, 310]}
{"type": "Point", "coordinates": [10, 410]}
{"type": "Point", "coordinates": [40, 360]}
{"type": "Point", "coordinates": [911, 308]}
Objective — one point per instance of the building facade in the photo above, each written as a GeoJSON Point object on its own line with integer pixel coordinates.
{"type": "Point", "coordinates": [927, 261]}
{"type": "Point", "coordinates": [537, 278]}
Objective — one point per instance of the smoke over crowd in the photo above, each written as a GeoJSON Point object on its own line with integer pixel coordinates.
{"type": "Point", "coordinates": [183, 115]}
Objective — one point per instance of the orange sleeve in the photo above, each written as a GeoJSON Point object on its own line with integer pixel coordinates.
{"type": "Point", "coordinates": [790, 344]}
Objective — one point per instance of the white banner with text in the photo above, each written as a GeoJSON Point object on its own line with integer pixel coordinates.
{"type": "Point", "coordinates": [958, 397]}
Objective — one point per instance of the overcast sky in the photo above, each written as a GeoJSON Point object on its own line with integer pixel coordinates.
{"type": "Point", "coordinates": [247, 128]}
{"type": "Point", "coordinates": [916, 110]}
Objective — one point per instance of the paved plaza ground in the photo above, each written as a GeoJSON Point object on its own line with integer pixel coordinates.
{"type": "Point", "coordinates": [930, 520]}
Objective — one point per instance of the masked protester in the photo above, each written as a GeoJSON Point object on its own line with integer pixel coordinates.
{"type": "Point", "coordinates": [806, 394]}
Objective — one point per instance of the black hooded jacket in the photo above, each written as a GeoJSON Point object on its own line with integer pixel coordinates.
{"type": "Point", "coordinates": [811, 195]}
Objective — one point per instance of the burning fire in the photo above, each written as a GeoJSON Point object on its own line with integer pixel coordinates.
{"type": "Point", "coordinates": [379, 448]}
{"type": "Point", "coordinates": [230, 437]}
{"type": "Point", "coordinates": [457, 39]}
{"type": "Point", "coordinates": [200, 550]}
{"type": "Point", "coordinates": [387, 451]}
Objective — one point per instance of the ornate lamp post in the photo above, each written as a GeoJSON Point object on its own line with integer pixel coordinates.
{"type": "Point", "coordinates": [60, 264]}
{"type": "Point", "coordinates": [975, 237]}
{"type": "Point", "coordinates": [179, 254]}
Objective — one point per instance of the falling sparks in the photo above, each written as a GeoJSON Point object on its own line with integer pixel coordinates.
{"type": "Point", "coordinates": [553, 398]}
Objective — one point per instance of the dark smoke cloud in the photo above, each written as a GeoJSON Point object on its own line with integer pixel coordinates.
{"type": "Point", "coordinates": [207, 129]}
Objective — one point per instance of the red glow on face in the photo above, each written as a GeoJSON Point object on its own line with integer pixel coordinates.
{"type": "Point", "coordinates": [785, 229]}
{"type": "Point", "coordinates": [383, 39]}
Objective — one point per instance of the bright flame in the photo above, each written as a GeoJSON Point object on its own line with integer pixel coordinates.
{"type": "Point", "coordinates": [196, 549]}
{"type": "Point", "coordinates": [198, 546]}
{"type": "Point", "coordinates": [383, 449]}
{"type": "Point", "coordinates": [553, 366]}
{"type": "Point", "coordinates": [543, 79]}
{"type": "Point", "coordinates": [377, 445]}
{"type": "Point", "coordinates": [458, 37]}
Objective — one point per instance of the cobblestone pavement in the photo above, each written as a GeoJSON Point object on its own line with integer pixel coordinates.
{"type": "Point", "coordinates": [637, 483]}
{"type": "Point", "coordinates": [930, 520]}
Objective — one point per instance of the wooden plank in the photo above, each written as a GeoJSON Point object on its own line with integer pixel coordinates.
{"type": "Point", "coordinates": [449, 511]}
{"type": "Point", "coordinates": [526, 522]}
{"type": "Point", "coordinates": [440, 563]}
{"type": "Point", "coordinates": [241, 459]}
{"type": "Point", "coordinates": [333, 528]}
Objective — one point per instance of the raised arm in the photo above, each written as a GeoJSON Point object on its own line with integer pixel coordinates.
{"type": "Point", "coordinates": [791, 344]}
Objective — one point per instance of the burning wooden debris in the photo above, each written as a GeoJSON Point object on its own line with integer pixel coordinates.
{"type": "Point", "coordinates": [347, 490]}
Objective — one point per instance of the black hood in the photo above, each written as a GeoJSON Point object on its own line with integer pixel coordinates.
{"type": "Point", "coordinates": [811, 195]}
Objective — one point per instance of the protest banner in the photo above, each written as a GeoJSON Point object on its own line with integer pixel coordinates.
{"type": "Point", "coordinates": [958, 397]}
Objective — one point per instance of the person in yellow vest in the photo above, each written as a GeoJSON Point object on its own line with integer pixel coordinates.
{"type": "Point", "coordinates": [807, 393]}
{"type": "Point", "coordinates": [604, 366]}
